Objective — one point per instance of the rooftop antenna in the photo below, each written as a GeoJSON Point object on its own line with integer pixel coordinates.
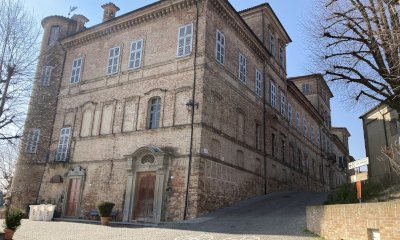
{"type": "Point", "coordinates": [71, 9]}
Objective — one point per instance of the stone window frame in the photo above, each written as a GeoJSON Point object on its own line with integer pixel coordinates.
{"type": "Point", "coordinates": [115, 60]}
{"type": "Point", "coordinates": [283, 103]}
{"type": "Point", "coordinates": [45, 76]}
{"type": "Point", "coordinates": [298, 122]}
{"type": "Point", "coordinates": [185, 40]}
{"type": "Point", "coordinates": [305, 88]}
{"type": "Point", "coordinates": [281, 56]}
{"type": "Point", "coordinates": [272, 43]}
{"type": "Point", "coordinates": [32, 141]}
{"type": "Point", "coordinates": [136, 54]}
{"type": "Point", "coordinates": [259, 83]}
{"type": "Point", "coordinates": [242, 68]}
{"type": "Point", "coordinates": [290, 114]}
{"type": "Point", "coordinates": [54, 34]}
{"type": "Point", "coordinates": [76, 70]}
{"type": "Point", "coordinates": [220, 42]}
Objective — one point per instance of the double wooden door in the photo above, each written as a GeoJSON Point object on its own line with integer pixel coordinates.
{"type": "Point", "coordinates": [74, 189]}
{"type": "Point", "coordinates": [144, 200]}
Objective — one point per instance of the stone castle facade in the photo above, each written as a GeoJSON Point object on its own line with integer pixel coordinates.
{"type": "Point", "coordinates": [171, 111]}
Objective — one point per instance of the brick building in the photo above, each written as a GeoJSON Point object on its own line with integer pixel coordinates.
{"type": "Point", "coordinates": [170, 111]}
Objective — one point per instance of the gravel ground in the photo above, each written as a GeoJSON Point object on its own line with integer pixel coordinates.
{"type": "Point", "coordinates": [276, 217]}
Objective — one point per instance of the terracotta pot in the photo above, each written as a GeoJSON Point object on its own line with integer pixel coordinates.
{"type": "Point", "coordinates": [105, 221]}
{"type": "Point", "coordinates": [8, 234]}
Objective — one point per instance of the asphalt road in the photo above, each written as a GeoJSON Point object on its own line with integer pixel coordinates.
{"type": "Point", "coordinates": [276, 216]}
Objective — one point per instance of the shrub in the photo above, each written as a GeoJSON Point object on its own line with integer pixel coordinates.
{"type": "Point", "coordinates": [347, 193]}
{"type": "Point", "coordinates": [13, 218]}
{"type": "Point", "coordinates": [105, 208]}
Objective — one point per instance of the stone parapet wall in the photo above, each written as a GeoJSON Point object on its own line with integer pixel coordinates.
{"type": "Point", "coordinates": [355, 221]}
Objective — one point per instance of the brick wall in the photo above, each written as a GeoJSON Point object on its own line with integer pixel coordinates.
{"type": "Point", "coordinates": [354, 221]}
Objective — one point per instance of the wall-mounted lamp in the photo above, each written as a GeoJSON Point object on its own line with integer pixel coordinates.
{"type": "Point", "coordinates": [191, 104]}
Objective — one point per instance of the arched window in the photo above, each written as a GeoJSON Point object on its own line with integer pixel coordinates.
{"type": "Point", "coordinates": [154, 113]}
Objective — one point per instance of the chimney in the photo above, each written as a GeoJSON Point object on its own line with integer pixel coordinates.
{"type": "Point", "coordinates": [80, 21]}
{"type": "Point", "coordinates": [110, 9]}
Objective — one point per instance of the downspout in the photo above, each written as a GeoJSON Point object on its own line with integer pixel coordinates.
{"type": "Point", "coordinates": [264, 112]}
{"type": "Point", "coordinates": [192, 113]}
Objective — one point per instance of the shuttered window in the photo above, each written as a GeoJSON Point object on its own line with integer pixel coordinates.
{"type": "Point", "coordinates": [283, 104]}
{"type": "Point", "coordinates": [135, 60]}
{"type": "Point", "coordinates": [45, 75]}
{"type": "Point", "coordinates": [154, 113]}
{"type": "Point", "coordinates": [76, 70]}
{"type": "Point", "coordinates": [32, 140]}
{"type": "Point", "coordinates": [185, 39]}
{"type": "Point", "coordinates": [290, 114]}
{"type": "Point", "coordinates": [273, 94]}
{"type": "Point", "coordinates": [258, 83]}
{"type": "Point", "coordinates": [242, 68]}
{"type": "Point", "coordinates": [220, 47]}
{"type": "Point", "coordinates": [63, 144]}
{"type": "Point", "coordinates": [113, 60]}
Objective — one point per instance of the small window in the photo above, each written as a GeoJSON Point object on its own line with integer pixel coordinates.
{"type": "Point", "coordinates": [393, 127]}
{"type": "Point", "coordinates": [32, 140]}
{"type": "Point", "coordinates": [305, 127]}
{"type": "Point", "coordinates": [220, 47]}
{"type": "Point", "coordinates": [258, 83]}
{"type": "Point", "coordinates": [312, 136]}
{"type": "Point", "coordinates": [54, 34]}
{"type": "Point", "coordinates": [45, 75]}
{"type": "Point", "coordinates": [298, 120]}
{"type": "Point", "coordinates": [63, 144]}
{"type": "Point", "coordinates": [273, 94]}
{"type": "Point", "coordinates": [272, 43]}
{"type": "Point", "coordinates": [185, 39]}
{"type": "Point", "coordinates": [154, 113]}
{"type": "Point", "coordinates": [242, 68]}
{"type": "Point", "coordinates": [283, 104]}
{"type": "Point", "coordinates": [76, 70]}
{"type": "Point", "coordinates": [319, 137]}
{"type": "Point", "coordinates": [305, 88]}
{"type": "Point", "coordinates": [281, 56]}
{"type": "Point", "coordinates": [290, 114]}
{"type": "Point", "coordinates": [135, 60]}
{"type": "Point", "coordinates": [113, 60]}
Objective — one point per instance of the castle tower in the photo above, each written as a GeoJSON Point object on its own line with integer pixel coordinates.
{"type": "Point", "coordinates": [34, 146]}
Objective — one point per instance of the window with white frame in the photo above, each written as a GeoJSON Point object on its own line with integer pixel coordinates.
{"type": "Point", "coordinates": [312, 136]}
{"type": "Point", "coordinates": [113, 60]}
{"type": "Point", "coordinates": [305, 127]}
{"type": "Point", "coordinates": [135, 59]}
{"type": "Point", "coordinates": [45, 75]}
{"type": "Point", "coordinates": [242, 68]}
{"type": "Point", "coordinates": [273, 94]}
{"type": "Point", "coordinates": [63, 144]}
{"type": "Point", "coordinates": [298, 120]}
{"type": "Point", "coordinates": [281, 56]}
{"type": "Point", "coordinates": [32, 140]}
{"type": "Point", "coordinates": [76, 70]}
{"type": "Point", "coordinates": [220, 47]}
{"type": "Point", "coordinates": [305, 88]}
{"type": "Point", "coordinates": [290, 114]}
{"type": "Point", "coordinates": [54, 34]}
{"type": "Point", "coordinates": [154, 113]}
{"type": "Point", "coordinates": [283, 103]}
{"type": "Point", "coordinates": [272, 43]}
{"type": "Point", "coordinates": [185, 39]}
{"type": "Point", "coordinates": [258, 83]}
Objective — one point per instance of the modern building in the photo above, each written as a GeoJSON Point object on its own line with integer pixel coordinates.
{"type": "Point", "coordinates": [381, 131]}
{"type": "Point", "coordinates": [170, 111]}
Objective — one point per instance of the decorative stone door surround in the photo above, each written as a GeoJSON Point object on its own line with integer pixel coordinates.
{"type": "Point", "coordinates": [145, 159]}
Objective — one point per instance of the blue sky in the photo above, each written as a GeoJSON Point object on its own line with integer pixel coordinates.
{"type": "Point", "coordinates": [293, 14]}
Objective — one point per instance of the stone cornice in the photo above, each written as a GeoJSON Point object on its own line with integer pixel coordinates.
{"type": "Point", "coordinates": [126, 21]}
{"type": "Point", "coordinates": [233, 19]}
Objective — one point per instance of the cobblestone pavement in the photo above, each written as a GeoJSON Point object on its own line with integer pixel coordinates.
{"type": "Point", "coordinates": [277, 217]}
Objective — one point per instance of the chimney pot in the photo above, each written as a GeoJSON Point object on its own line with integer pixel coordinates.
{"type": "Point", "coordinates": [110, 10]}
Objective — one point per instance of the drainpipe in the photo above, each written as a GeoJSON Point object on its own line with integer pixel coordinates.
{"type": "Point", "coordinates": [192, 113]}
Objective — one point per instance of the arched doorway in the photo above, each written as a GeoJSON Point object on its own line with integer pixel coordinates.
{"type": "Point", "coordinates": [145, 184]}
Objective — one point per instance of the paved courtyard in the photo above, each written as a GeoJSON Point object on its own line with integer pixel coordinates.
{"type": "Point", "coordinates": [278, 216]}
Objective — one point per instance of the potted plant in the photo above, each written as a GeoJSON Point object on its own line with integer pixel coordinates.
{"type": "Point", "coordinates": [11, 222]}
{"type": "Point", "coordinates": [105, 210]}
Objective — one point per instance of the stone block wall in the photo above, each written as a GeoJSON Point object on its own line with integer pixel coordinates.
{"type": "Point", "coordinates": [355, 221]}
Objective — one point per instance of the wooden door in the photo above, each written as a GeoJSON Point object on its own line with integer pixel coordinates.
{"type": "Point", "coordinates": [74, 187]}
{"type": "Point", "coordinates": [144, 200]}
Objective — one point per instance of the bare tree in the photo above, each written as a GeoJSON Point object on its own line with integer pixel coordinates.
{"type": "Point", "coordinates": [8, 156]}
{"type": "Point", "coordinates": [391, 154]}
{"type": "Point", "coordinates": [19, 34]}
{"type": "Point", "coordinates": [357, 42]}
